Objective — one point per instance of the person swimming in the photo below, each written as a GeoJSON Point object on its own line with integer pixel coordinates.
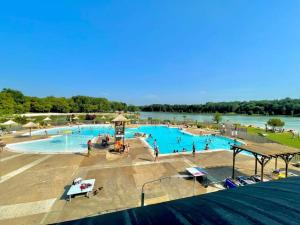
{"type": "Point", "coordinates": [206, 147]}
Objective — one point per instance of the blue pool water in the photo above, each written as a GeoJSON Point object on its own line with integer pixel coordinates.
{"type": "Point", "coordinates": [74, 139]}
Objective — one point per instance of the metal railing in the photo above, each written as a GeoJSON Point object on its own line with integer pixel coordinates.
{"type": "Point", "coordinates": [167, 178]}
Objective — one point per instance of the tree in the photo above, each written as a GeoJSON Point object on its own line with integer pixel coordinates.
{"type": "Point", "coordinates": [275, 122]}
{"type": "Point", "coordinates": [7, 103]}
{"type": "Point", "coordinates": [132, 108]}
{"type": "Point", "coordinates": [217, 117]}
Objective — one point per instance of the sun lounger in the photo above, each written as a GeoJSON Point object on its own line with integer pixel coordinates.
{"type": "Point", "coordinates": [82, 187]}
{"type": "Point", "coordinates": [229, 183]}
{"type": "Point", "coordinates": [245, 180]}
{"type": "Point", "coordinates": [257, 178]}
{"type": "Point", "coordinates": [296, 164]}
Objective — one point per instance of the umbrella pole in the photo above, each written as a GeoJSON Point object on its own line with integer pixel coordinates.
{"type": "Point", "coordinates": [30, 131]}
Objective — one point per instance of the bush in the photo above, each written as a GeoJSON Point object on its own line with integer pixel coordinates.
{"type": "Point", "coordinates": [275, 122]}
{"type": "Point", "coordinates": [90, 117]}
{"type": "Point", "coordinates": [21, 119]}
{"type": "Point", "coordinates": [200, 125]}
{"type": "Point", "coordinates": [217, 117]}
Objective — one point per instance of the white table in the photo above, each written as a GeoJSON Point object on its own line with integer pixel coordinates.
{"type": "Point", "coordinates": [196, 171]}
{"type": "Point", "coordinates": [75, 189]}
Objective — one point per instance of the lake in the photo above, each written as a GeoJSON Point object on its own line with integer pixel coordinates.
{"type": "Point", "coordinates": [259, 121]}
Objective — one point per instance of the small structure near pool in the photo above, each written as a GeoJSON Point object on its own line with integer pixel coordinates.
{"type": "Point", "coordinates": [120, 122]}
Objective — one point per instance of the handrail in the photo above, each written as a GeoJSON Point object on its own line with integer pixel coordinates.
{"type": "Point", "coordinates": [160, 179]}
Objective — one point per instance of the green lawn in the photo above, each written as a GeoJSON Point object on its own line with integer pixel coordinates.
{"type": "Point", "coordinates": [285, 138]}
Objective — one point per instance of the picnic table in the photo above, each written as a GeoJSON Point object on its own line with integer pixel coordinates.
{"type": "Point", "coordinates": [76, 188]}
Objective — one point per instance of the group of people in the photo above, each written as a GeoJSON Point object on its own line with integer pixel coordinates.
{"type": "Point", "coordinates": [118, 145]}
{"type": "Point", "coordinates": [193, 148]}
{"type": "Point", "coordinates": [126, 147]}
{"type": "Point", "coordinates": [105, 140]}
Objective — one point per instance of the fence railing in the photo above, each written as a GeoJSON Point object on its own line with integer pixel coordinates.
{"type": "Point", "coordinates": [296, 158]}
{"type": "Point", "coordinates": [244, 135]}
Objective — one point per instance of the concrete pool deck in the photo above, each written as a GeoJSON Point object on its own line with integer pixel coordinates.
{"type": "Point", "coordinates": [37, 194]}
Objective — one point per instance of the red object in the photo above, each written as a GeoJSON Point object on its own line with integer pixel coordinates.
{"type": "Point", "coordinates": [83, 186]}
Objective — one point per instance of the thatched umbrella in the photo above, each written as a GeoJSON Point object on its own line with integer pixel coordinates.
{"type": "Point", "coordinates": [120, 118]}
{"type": "Point", "coordinates": [30, 125]}
{"type": "Point", "coordinates": [9, 123]}
{"type": "Point", "coordinates": [47, 119]}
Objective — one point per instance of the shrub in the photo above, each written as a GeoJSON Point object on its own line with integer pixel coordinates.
{"type": "Point", "coordinates": [275, 122]}
{"type": "Point", "coordinates": [217, 117]}
{"type": "Point", "coordinates": [21, 119]}
{"type": "Point", "coordinates": [90, 117]}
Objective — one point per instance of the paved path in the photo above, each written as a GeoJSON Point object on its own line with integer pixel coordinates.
{"type": "Point", "coordinates": [10, 157]}
{"type": "Point", "coordinates": [22, 169]}
{"type": "Point", "coordinates": [25, 209]}
{"type": "Point", "coordinates": [129, 164]}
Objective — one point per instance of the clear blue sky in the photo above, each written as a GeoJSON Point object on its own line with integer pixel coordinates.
{"type": "Point", "coordinates": [142, 52]}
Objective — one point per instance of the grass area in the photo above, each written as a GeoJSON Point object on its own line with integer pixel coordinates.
{"type": "Point", "coordinates": [284, 138]}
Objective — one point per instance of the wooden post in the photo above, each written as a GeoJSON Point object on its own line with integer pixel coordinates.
{"type": "Point", "coordinates": [233, 163]}
{"type": "Point", "coordinates": [286, 158]}
{"type": "Point", "coordinates": [286, 168]}
{"type": "Point", "coordinates": [255, 164]}
{"type": "Point", "coordinates": [262, 169]}
{"type": "Point", "coordinates": [276, 163]}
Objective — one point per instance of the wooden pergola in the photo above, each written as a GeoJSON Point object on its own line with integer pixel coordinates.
{"type": "Point", "coordinates": [264, 152]}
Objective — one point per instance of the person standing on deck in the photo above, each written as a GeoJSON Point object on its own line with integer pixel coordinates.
{"type": "Point", "coordinates": [155, 144]}
{"type": "Point", "coordinates": [90, 145]}
{"type": "Point", "coordinates": [156, 152]}
{"type": "Point", "coordinates": [194, 149]}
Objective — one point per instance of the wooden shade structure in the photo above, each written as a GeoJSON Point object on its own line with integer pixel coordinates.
{"type": "Point", "coordinates": [264, 152]}
{"type": "Point", "coordinates": [120, 122]}
{"type": "Point", "coordinates": [30, 125]}
{"type": "Point", "coordinates": [9, 123]}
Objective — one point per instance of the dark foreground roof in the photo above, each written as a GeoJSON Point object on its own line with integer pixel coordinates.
{"type": "Point", "coordinates": [276, 202]}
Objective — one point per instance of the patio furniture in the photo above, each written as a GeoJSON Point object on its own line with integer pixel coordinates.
{"type": "Point", "coordinates": [229, 183]}
{"type": "Point", "coordinates": [82, 187]}
{"type": "Point", "coordinates": [245, 180]}
{"type": "Point", "coordinates": [198, 173]}
{"type": "Point", "coordinates": [257, 178]}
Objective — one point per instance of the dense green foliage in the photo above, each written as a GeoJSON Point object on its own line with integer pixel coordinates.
{"type": "Point", "coordinates": [285, 106]}
{"type": "Point", "coordinates": [12, 101]}
{"type": "Point", "coordinates": [217, 117]}
{"type": "Point", "coordinates": [275, 122]}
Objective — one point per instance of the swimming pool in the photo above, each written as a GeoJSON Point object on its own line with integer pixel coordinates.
{"type": "Point", "coordinates": [74, 139]}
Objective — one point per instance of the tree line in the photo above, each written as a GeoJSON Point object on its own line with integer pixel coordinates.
{"type": "Point", "coordinates": [14, 101]}
{"type": "Point", "coordinates": [285, 106]}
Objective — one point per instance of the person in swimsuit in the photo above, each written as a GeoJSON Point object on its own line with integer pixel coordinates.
{"type": "Point", "coordinates": [194, 149]}
{"type": "Point", "coordinates": [90, 145]}
{"type": "Point", "coordinates": [156, 151]}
